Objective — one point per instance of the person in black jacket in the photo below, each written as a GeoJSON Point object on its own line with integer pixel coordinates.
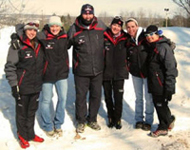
{"type": "Point", "coordinates": [86, 36]}
{"type": "Point", "coordinates": [24, 71]}
{"type": "Point", "coordinates": [137, 54]}
{"type": "Point", "coordinates": [115, 71]}
{"type": "Point", "coordinates": [162, 73]}
{"type": "Point", "coordinates": [54, 39]}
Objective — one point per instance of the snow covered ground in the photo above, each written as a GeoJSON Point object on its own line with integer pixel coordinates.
{"type": "Point", "coordinates": [127, 138]}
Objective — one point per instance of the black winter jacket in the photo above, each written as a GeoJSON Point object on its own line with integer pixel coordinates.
{"type": "Point", "coordinates": [24, 65]}
{"type": "Point", "coordinates": [88, 46]}
{"type": "Point", "coordinates": [56, 55]}
{"type": "Point", "coordinates": [137, 55]}
{"type": "Point", "coordinates": [115, 56]}
{"type": "Point", "coordinates": [162, 68]}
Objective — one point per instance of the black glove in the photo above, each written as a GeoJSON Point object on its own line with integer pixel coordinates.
{"type": "Point", "coordinates": [15, 93]}
{"type": "Point", "coordinates": [15, 41]}
{"type": "Point", "coordinates": [168, 95]}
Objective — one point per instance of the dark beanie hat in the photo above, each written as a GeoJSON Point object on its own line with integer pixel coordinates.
{"type": "Point", "coordinates": [118, 20]}
{"type": "Point", "coordinates": [151, 28]}
{"type": "Point", "coordinates": [87, 9]}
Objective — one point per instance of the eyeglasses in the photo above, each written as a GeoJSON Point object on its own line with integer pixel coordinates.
{"type": "Point", "coordinates": [33, 24]}
{"type": "Point", "coordinates": [150, 34]}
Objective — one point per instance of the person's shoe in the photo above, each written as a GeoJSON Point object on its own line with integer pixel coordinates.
{"type": "Point", "coordinates": [146, 127]}
{"type": "Point", "coordinates": [139, 125]}
{"type": "Point", "coordinates": [50, 133]}
{"type": "Point", "coordinates": [118, 125]}
{"type": "Point", "coordinates": [94, 125]}
{"type": "Point", "coordinates": [158, 133]}
{"type": "Point", "coordinates": [172, 124]}
{"type": "Point", "coordinates": [111, 123]}
{"type": "Point", "coordinates": [38, 139]}
{"type": "Point", "coordinates": [23, 143]}
{"type": "Point", "coordinates": [80, 128]}
{"type": "Point", "coordinates": [59, 132]}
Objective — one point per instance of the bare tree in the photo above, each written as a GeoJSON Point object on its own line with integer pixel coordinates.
{"type": "Point", "coordinates": [132, 14]}
{"type": "Point", "coordinates": [105, 18]}
{"type": "Point", "coordinates": [141, 16]}
{"type": "Point", "coordinates": [179, 19]}
{"type": "Point", "coordinates": [8, 9]}
{"type": "Point", "coordinates": [185, 4]}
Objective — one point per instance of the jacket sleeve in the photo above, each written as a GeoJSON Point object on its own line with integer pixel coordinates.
{"type": "Point", "coordinates": [170, 65]}
{"type": "Point", "coordinates": [10, 66]}
{"type": "Point", "coordinates": [102, 25]}
{"type": "Point", "coordinates": [71, 33]}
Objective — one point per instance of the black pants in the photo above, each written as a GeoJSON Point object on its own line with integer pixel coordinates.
{"type": "Point", "coordinates": [83, 85]}
{"type": "Point", "coordinates": [25, 115]}
{"type": "Point", "coordinates": [163, 111]}
{"type": "Point", "coordinates": [114, 89]}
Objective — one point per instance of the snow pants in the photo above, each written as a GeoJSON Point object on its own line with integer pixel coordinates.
{"type": "Point", "coordinates": [85, 84]}
{"type": "Point", "coordinates": [113, 91]}
{"type": "Point", "coordinates": [25, 115]}
{"type": "Point", "coordinates": [163, 111]}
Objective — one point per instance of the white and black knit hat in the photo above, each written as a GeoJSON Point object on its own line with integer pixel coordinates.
{"type": "Point", "coordinates": [31, 24]}
{"type": "Point", "coordinates": [55, 20]}
{"type": "Point", "coordinates": [118, 20]}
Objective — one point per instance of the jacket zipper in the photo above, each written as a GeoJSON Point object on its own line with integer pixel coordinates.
{"type": "Point", "coordinates": [126, 65]}
{"type": "Point", "coordinates": [21, 78]}
{"type": "Point", "coordinates": [77, 62]}
{"type": "Point", "coordinates": [159, 81]}
{"type": "Point", "coordinates": [91, 52]}
{"type": "Point", "coordinates": [45, 67]}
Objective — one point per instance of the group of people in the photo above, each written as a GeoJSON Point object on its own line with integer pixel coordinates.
{"type": "Point", "coordinates": [102, 56]}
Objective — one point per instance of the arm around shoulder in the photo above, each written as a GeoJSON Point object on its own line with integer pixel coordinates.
{"type": "Point", "coordinates": [71, 33]}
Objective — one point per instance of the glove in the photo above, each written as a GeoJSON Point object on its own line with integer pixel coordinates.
{"type": "Point", "coordinates": [15, 41]}
{"type": "Point", "coordinates": [15, 93]}
{"type": "Point", "coordinates": [168, 95]}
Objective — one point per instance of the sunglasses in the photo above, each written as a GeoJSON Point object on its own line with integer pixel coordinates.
{"type": "Point", "coordinates": [150, 34]}
{"type": "Point", "coordinates": [33, 24]}
{"type": "Point", "coordinates": [118, 17]}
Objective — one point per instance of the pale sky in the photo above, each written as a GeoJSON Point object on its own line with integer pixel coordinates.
{"type": "Point", "coordinates": [112, 7]}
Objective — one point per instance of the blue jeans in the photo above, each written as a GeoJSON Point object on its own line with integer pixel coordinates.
{"type": "Point", "coordinates": [141, 90]}
{"type": "Point", "coordinates": [50, 122]}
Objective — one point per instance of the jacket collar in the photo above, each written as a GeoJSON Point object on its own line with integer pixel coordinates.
{"type": "Point", "coordinates": [90, 27]}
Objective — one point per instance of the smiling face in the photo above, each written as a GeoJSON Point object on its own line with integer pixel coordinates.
{"type": "Point", "coordinates": [55, 29]}
{"type": "Point", "coordinates": [132, 28]}
{"type": "Point", "coordinates": [116, 28]}
{"type": "Point", "coordinates": [87, 17]}
{"type": "Point", "coordinates": [31, 33]}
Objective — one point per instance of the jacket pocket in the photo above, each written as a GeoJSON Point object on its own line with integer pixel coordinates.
{"type": "Point", "coordinates": [21, 78]}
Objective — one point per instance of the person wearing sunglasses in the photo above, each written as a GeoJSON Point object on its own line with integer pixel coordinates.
{"type": "Point", "coordinates": [87, 38]}
{"type": "Point", "coordinates": [162, 73]}
{"type": "Point", "coordinates": [24, 72]}
{"type": "Point", "coordinates": [137, 54]}
{"type": "Point", "coordinates": [115, 71]}
{"type": "Point", "coordinates": [54, 40]}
